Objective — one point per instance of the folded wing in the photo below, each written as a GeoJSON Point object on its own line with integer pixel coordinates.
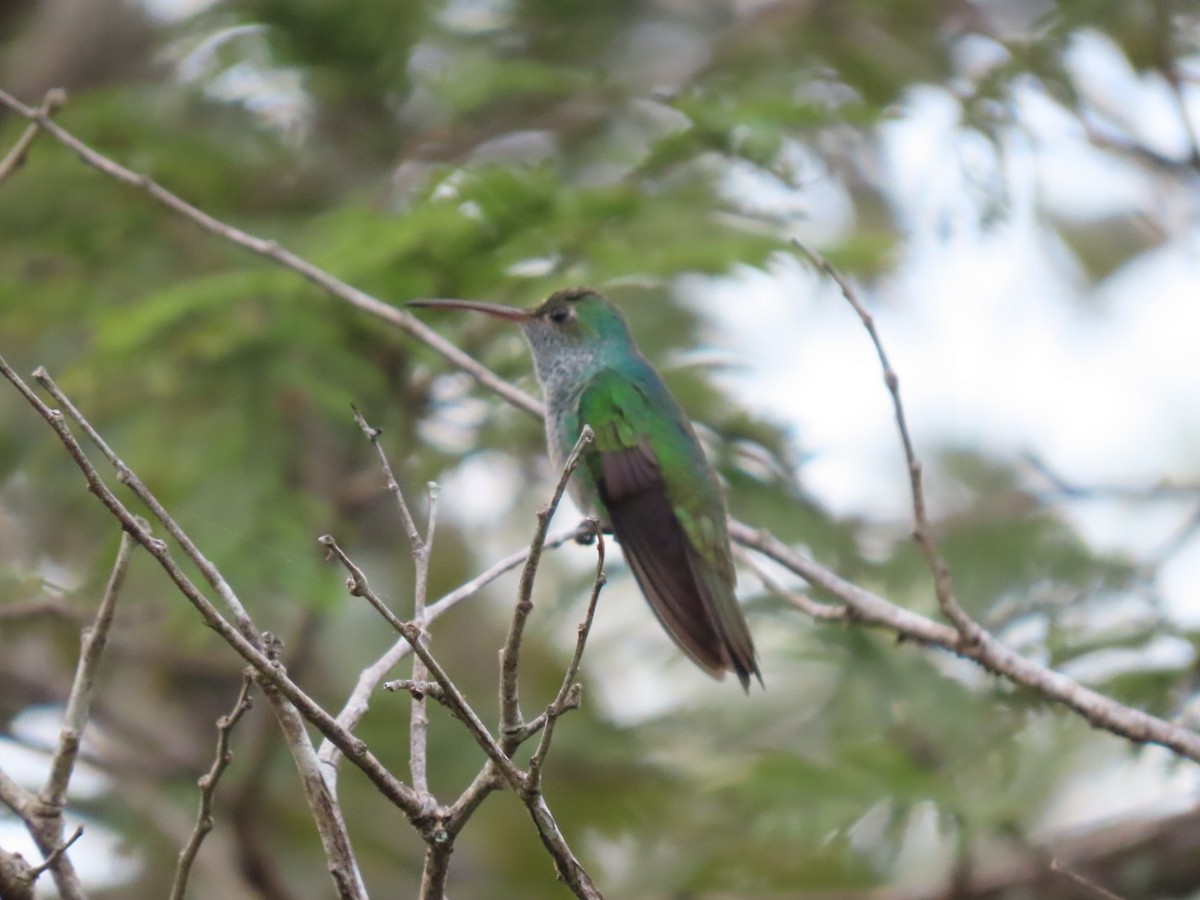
{"type": "Point", "coordinates": [670, 525]}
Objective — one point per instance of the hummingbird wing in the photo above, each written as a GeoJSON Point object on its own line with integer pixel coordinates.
{"type": "Point", "coordinates": [665, 508]}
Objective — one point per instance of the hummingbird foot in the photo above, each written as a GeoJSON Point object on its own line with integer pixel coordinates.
{"type": "Point", "coordinates": [586, 531]}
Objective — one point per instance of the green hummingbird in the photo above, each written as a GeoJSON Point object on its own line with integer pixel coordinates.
{"type": "Point", "coordinates": [645, 474]}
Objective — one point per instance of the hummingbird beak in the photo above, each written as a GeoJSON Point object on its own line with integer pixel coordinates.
{"type": "Point", "coordinates": [510, 313]}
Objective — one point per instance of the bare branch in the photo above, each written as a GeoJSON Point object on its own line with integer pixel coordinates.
{"type": "Point", "coordinates": [943, 585]}
{"type": "Point", "coordinates": [435, 871]}
{"type": "Point", "coordinates": [1061, 486]}
{"type": "Point", "coordinates": [45, 817]}
{"type": "Point", "coordinates": [322, 801]}
{"type": "Point", "coordinates": [26, 806]}
{"type": "Point", "coordinates": [510, 710]}
{"type": "Point", "coordinates": [410, 525]}
{"type": "Point", "coordinates": [36, 609]}
{"type": "Point", "coordinates": [208, 787]}
{"type": "Point", "coordinates": [15, 797]}
{"type": "Point", "coordinates": [499, 767]}
{"type": "Point", "coordinates": [419, 720]}
{"type": "Point", "coordinates": [565, 861]}
{"type": "Point", "coordinates": [15, 158]}
{"type": "Point", "coordinates": [271, 250]}
{"type": "Point", "coordinates": [126, 476]}
{"type": "Point", "coordinates": [569, 868]}
{"type": "Point", "coordinates": [568, 692]}
{"type": "Point", "coordinates": [247, 642]}
{"type": "Point", "coordinates": [79, 702]}
{"type": "Point", "coordinates": [268, 673]}
{"type": "Point", "coordinates": [417, 688]}
{"type": "Point", "coordinates": [359, 700]}
{"type": "Point", "coordinates": [822, 612]}
{"type": "Point", "coordinates": [453, 697]}
{"type": "Point", "coordinates": [871, 610]}
{"type": "Point", "coordinates": [1057, 865]}
{"type": "Point", "coordinates": [57, 853]}
{"type": "Point", "coordinates": [418, 729]}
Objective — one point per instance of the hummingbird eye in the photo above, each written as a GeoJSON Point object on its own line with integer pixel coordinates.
{"type": "Point", "coordinates": [560, 314]}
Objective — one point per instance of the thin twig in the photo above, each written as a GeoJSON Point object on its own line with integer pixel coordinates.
{"type": "Point", "coordinates": [821, 612]}
{"type": "Point", "coordinates": [48, 823]}
{"type": "Point", "coordinates": [17, 877]}
{"type": "Point", "coordinates": [1057, 865]}
{"type": "Point", "coordinates": [282, 694]}
{"type": "Point", "coordinates": [128, 477]}
{"type": "Point", "coordinates": [271, 250]}
{"type": "Point", "coordinates": [568, 865]}
{"type": "Point", "coordinates": [510, 656]}
{"type": "Point", "coordinates": [418, 728]}
{"type": "Point", "coordinates": [208, 787]}
{"type": "Point", "coordinates": [419, 719]}
{"type": "Point", "coordinates": [943, 585]}
{"type": "Point", "coordinates": [1061, 486]}
{"type": "Point", "coordinates": [57, 853]}
{"type": "Point", "coordinates": [15, 158]}
{"type": "Point", "coordinates": [269, 674]}
{"type": "Point", "coordinates": [357, 704]}
{"type": "Point", "coordinates": [417, 688]}
{"type": "Point", "coordinates": [453, 697]}
{"type": "Point", "coordinates": [871, 610]}
{"type": "Point", "coordinates": [568, 691]}
{"type": "Point", "coordinates": [79, 702]}
{"type": "Point", "coordinates": [36, 609]}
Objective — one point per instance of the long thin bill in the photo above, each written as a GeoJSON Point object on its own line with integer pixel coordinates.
{"type": "Point", "coordinates": [510, 313]}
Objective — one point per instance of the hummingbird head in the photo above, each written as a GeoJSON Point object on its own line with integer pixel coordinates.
{"type": "Point", "coordinates": [576, 320]}
{"type": "Point", "coordinates": [573, 333]}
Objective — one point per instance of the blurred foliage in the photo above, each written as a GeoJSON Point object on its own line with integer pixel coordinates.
{"type": "Point", "coordinates": [492, 149]}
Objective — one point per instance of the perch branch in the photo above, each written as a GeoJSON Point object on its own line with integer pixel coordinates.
{"type": "Point", "coordinates": [871, 610]}
{"type": "Point", "coordinates": [510, 710]}
{"type": "Point", "coordinates": [568, 691]}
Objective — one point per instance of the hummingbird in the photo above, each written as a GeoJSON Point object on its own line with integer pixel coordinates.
{"type": "Point", "coordinates": [644, 475]}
